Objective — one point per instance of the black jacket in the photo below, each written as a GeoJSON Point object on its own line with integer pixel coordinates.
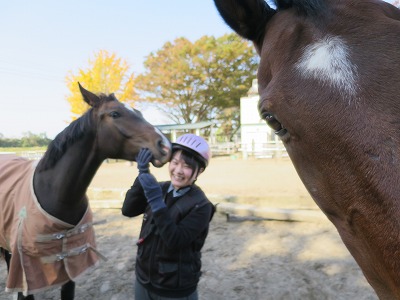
{"type": "Point", "coordinates": [168, 259]}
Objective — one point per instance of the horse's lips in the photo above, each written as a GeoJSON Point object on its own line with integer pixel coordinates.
{"type": "Point", "coordinates": [157, 163]}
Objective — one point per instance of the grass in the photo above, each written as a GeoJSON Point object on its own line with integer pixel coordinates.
{"type": "Point", "coordinates": [21, 149]}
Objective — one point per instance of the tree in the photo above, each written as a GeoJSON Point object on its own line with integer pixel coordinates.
{"type": "Point", "coordinates": [106, 74]}
{"type": "Point", "coordinates": [30, 139]}
{"type": "Point", "coordinates": [200, 81]}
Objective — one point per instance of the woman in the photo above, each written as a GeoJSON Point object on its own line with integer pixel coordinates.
{"type": "Point", "coordinates": [175, 222]}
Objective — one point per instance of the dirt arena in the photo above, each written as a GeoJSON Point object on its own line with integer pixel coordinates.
{"type": "Point", "coordinates": [242, 259]}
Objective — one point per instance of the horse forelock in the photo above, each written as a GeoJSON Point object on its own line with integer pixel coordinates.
{"type": "Point", "coordinates": [304, 7]}
{"type": "Point", "coordinates": [103, 98]}
{"type": "Point", "coordinates": [316, 9]}
{"type": "Point", "coordinates": [328, 60]}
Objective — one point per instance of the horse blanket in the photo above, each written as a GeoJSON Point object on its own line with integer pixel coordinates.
{"type": "Point", "coordinates": [46, 251]}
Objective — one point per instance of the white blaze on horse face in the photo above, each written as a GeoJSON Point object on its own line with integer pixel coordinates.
{"type": "Point", "coordinates": [328, 60]}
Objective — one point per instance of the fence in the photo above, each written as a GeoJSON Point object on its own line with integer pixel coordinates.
{"type": "Point", "coordinates": [256, 150]}
{"type": "Point", "coordinates": [264, 150]}
{"type": "Point", "coordinates": [32, 155]}
{"type": "Point", "coordinates": [226, 148]}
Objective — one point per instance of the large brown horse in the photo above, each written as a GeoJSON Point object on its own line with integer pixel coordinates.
{"type": "Point", "coordinates": [46, 222]}
{"type": "Point", "coordinates": [329, 85]}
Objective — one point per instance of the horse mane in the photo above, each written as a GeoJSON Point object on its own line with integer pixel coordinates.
{"type": "Point", "coordinates": [303, 7]}
{"type": "Point", "coordinates": [72, 133]}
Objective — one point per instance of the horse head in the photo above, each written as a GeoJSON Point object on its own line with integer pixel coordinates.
{"type": "Point", "coordinates": [329, 86]}
{"type": "Point", "coordinates": [122, 131]}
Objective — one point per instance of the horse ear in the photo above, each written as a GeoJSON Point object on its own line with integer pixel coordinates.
{"type": "Point", "coordinates": [112, 96]}
{"type": "Point", "coordinates": [247, 18]}
{"type": "Point", "coordinates": [89, 97]}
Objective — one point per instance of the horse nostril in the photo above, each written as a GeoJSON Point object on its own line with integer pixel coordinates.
{"type": "Point", "coordinates": [160, 144]}
{"type": "Point", "coordinates": [162, 147]}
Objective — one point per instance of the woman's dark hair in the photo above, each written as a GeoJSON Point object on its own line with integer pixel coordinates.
{"type": "Point", "coordinates": [190, 158]}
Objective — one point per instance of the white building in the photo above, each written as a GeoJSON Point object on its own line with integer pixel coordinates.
{"type": "Point", "coordinates": [257, 138]}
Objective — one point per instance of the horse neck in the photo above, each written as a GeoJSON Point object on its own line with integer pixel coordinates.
{"type": "Point", "coordinates": [61, 189]}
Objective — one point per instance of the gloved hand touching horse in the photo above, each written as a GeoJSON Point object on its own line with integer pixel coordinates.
{"type": "Point", "coordinates": [151, 187]}
{"type": "Point", "coordinates": [143, 159]}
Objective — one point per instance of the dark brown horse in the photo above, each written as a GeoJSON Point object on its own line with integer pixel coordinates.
{"type": "Point", "coordinates": [109, 129]}
{"type": "Point", "coordinates": [329, 85]}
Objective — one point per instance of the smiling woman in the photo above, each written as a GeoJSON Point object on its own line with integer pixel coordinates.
{"type": "Point", "coordinates": [176, 216]}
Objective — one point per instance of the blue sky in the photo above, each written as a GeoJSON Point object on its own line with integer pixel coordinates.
{"type": "Point", "coordinates": [41, 41]}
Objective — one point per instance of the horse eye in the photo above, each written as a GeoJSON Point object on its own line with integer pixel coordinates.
{"type": "Point", "coordinates": [266, 116]}
{"type": "Point", "coordinates": [114, 114]}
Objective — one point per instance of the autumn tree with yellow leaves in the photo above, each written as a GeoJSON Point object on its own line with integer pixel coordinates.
{"type": "Point", "coordinates": [106, 74]}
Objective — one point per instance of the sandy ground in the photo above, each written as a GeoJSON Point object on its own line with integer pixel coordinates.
{"type": "Point", "coordinates": [264, 182]}
{"type": "Point", "coordinates": [241, 259]}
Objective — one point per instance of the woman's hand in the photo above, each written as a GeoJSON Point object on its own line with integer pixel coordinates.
{"type": "Point", "coordinates": [143, 159]}
{"type": "Point", "coordinates": [152, 191]}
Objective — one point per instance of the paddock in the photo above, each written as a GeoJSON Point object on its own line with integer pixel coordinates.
{"type": "Point", "coordinates": [241, 259]}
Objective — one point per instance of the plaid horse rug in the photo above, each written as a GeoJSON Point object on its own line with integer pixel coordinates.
{"type": "Point", "coordinates": [46, 252]}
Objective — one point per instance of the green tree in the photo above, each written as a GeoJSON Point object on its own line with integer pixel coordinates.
{"type": "Point", "coordinates": [106, 74]}
{"type": "Point", "coordinates": [30, 139]}
{"type": "Point", "coordinates": [8, 143]}
{"type": "Point", "coordinates": [200, 81]}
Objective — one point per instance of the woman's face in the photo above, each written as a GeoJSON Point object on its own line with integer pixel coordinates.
{"type": "Point", "coordinates": [180, 172]}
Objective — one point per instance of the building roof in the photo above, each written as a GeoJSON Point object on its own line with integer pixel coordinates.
{"type": "Point", "coordinates": [190, 126]}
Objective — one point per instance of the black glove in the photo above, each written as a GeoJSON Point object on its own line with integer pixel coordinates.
{"type": "Point", "coordinates": [143, 159]}
{"type": "Point", "coordinates": [152, 191]}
